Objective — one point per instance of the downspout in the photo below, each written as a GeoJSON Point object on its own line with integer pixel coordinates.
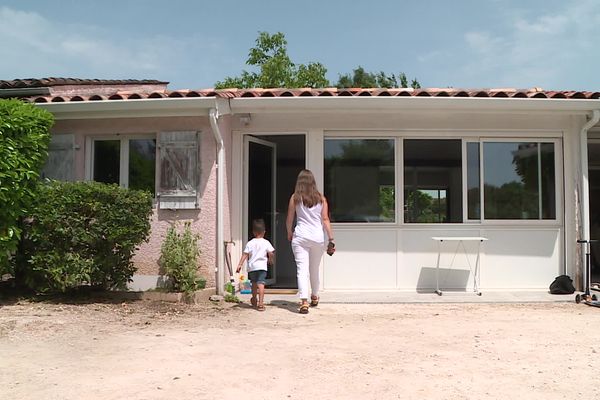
{"type": "Point", "coordinates": [220, 268]}
{"type": "Point", "coordinates": [585, 185]}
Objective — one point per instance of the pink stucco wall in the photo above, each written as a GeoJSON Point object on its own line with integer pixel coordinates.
{"type": "Point", "coordinates": [203, 220]}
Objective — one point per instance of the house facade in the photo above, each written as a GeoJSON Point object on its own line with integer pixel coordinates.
{"type": "Point", "coordinates": [398, 166]}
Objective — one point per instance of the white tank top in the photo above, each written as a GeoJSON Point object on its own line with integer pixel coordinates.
{"type": "Point", "coordinates": [309, 222]}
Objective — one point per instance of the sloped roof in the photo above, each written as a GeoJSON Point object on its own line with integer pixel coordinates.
{"type": "Point", "coordinates": [120, 94]}
{"type": "Point", "coordinates": [50, 82]}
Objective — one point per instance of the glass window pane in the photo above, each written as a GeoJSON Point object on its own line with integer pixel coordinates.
{"type": "Point", "coordinates": [432, 181]}
{"type": "Point", "coordinates": [511, 180]}
{"type": "Point", "coordinates": [473, 180]}
{"type": "Point", "coordinates": [548, 181]}
{"type": "Point", "coordinates": [142, 164]}
{"type": "Point", "coordinates": [107, 155]}
{"type": "Point", "coordinates": [360, 180]}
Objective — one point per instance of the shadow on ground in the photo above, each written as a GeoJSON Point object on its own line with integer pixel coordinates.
{"type": "Point", "coordinates": [291, 306]}
{"type": "Point", "coordinates": [283, 304]}
{"type": "Point", "coordinates": [11, 295]}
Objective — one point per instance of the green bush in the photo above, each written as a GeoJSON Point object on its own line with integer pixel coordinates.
{"type": "Point", "coordinates": [230, 296]}
{"type": "Point", "coordinates": [24, 143]}
{"type": "Point", "coordinates": [82, 233]}
{"type": "Point", "coordinates": [179, 259]}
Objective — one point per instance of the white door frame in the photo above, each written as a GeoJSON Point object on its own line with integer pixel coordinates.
{"type": "Point", "coordinates": [313, 156]}
{"type": "Point", "coordinates": [246, 169]}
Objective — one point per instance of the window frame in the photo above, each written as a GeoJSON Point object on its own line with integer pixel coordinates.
{"type": "Point", "coordinates": [123, 156]}
{"type": "Point", "coordinates": [558, 180]}
{"type": "Point", "coordinates": [397, 196]}
{"type": "Point", "coordinates": [466, 136]}
{"type": "Point", "coordinates": [466, 219]}
{"type": "Point", "coordinates": [400, 168]}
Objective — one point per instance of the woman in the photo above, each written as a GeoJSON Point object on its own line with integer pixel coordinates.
{"type": "Point", "coordinates": [308, 241]}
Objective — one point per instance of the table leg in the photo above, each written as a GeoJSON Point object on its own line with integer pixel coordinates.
{"type": "Point", "coordinates": [476, 274]}
{"type": "Point", "coordinates": [437, 270]}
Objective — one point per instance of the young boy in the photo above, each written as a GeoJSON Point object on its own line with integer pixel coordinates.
{"type": "Point", "coordinates": [258, 252]}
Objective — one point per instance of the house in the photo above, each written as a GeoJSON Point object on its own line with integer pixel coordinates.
{"type": "Point", "coordinates": [399, 166]}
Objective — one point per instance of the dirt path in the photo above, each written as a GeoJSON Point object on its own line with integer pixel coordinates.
{"type": "Point", "coordinates": [157, 351]}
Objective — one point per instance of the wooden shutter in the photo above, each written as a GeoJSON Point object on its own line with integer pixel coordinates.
{"type": "Point", "coordinates": [179, 171]}
{"type": "Point", "coordinates": [60, 162]}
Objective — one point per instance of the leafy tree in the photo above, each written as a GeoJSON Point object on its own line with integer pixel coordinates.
{"type": "Point", "coordinates": [359, 78]}
{"type": "Point", "coordinates": [419, 206]}
{"type": "Point", "coordinates": [24, 140]}
{"type": "Point", "coordinates": [512, 200]}
{"type": "Point", "coordinates": [378, 201]}
{"type": "Point", "coordinates": [275, 68]}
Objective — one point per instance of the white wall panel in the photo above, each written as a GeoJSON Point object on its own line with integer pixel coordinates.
{"type": "Point", "coordinates": [418, 259]}
{"type": "Point", "coordinates": [405, 259]}
{"type": "Point", "coordinates": [364, 259]}
{"type": "Point", "coordinates": [521, 259]}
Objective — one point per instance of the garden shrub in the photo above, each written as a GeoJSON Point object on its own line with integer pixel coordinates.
{"type": "Point", "coordinates": [82, 233]}
{"type": "Point", "coordinates": [179, 259]}
{"type": "Point", "coordinates": [24, 140]}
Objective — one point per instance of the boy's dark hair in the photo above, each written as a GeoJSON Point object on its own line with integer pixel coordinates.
{"type": "Point", "coordinates": [258, 226]}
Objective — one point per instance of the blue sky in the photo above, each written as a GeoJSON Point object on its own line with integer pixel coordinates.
{"type": "Point", "coordinates": [553, 44]}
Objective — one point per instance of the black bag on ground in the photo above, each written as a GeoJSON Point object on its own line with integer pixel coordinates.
{"type": "Point", "coordinates": [562, 285]}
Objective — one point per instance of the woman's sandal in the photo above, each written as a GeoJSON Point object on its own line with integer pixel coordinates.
{"type": "Point", "coordinates": [303, 309]}
{"type": "Point", "coordinates": [253, 301]}
{"type": "Point", "coordinates": [314, 301]}
{"type": "Point", "coordinates": [261, 307]}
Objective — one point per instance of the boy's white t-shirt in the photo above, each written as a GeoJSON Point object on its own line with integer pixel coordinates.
{"type": "Point", "coordinates": [257, 250]}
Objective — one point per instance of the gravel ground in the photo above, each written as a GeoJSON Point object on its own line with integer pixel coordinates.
{"type": "Point", "coordinates": [151, 350]}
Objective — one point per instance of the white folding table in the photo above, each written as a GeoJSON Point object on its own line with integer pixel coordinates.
{"type": "Point", "coordinates": [461, 243]}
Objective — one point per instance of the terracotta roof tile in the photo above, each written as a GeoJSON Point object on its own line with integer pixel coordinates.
{"type": "Point", "coordinates": [119, 94]}
{"type": "Point", "coordinates": [48, 82]}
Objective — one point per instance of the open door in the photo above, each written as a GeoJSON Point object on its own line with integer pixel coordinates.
{"type": "Point", "coordinates": [260, 173]}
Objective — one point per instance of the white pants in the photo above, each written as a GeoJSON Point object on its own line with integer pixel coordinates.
{"type": "Point", "coordinates": [308, 256]}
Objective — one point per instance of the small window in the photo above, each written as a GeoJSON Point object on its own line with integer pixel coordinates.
{"type": "Point", "coordinates": [548, 181]}
{"type": "Point", "coordinates": [432, 181]}
{"type": "Point", "coordinates": [142, 164]}
{"type": "Point", "coordinates": [107, 161]}
{"type": "Point", "coordinates": [360, 180]}
{"type": "Point", "coordinates": [519, 180]}
{"type": "Point", "coordinates": [129, 162]}
{"type": "Point", "coordinates": [473, 181]}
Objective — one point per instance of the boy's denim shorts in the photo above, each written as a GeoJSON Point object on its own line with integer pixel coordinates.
{"type": "Point", "coordinates": [259, 276]}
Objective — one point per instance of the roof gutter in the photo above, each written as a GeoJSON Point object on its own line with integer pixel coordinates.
{"type": "Point", "coordinates": [134, 108]}
{"type": "Point", "coordinates": [220, 267]}
{"type": "Point", "coordinates": [382, 104]}
{"type": "Point", "coordinates": [585, 185]}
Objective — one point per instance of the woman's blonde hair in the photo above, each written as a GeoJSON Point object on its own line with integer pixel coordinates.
{"type": "Point", "coordinates": [306, 189]}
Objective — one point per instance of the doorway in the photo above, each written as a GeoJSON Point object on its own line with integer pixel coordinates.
{"type": "Point", "coordinates": [594, 182]}
{"type": "Point", "coordinates": [271, 165]}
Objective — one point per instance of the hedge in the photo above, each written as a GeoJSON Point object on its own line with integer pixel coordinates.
{"type": "Point", "coordinates": [82, 233]}
{"type": "Point", "coordinates": [24, 140]}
